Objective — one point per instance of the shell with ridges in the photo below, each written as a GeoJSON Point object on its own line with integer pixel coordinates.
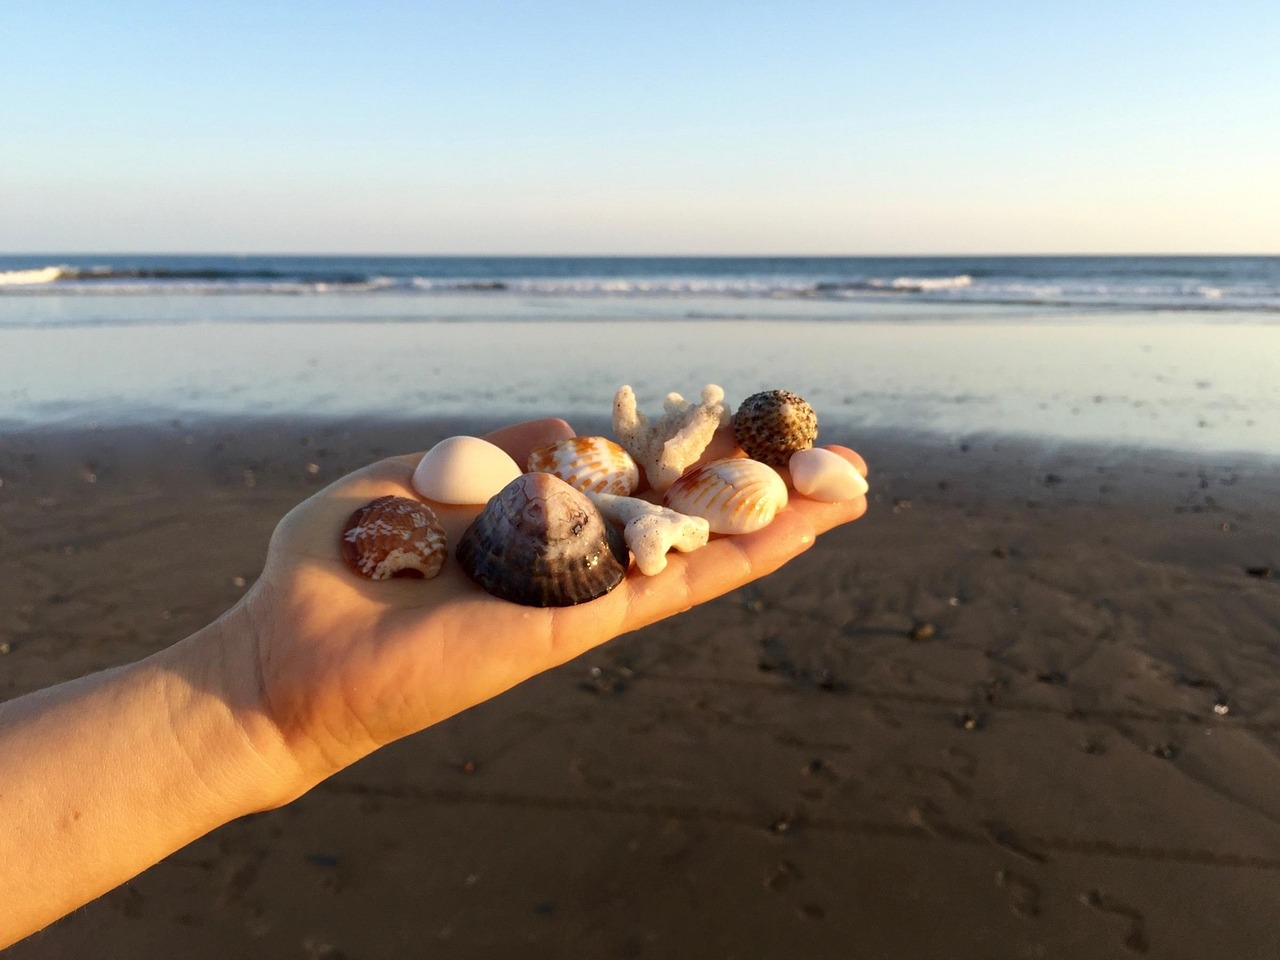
{"type": "Point", "coordinates": [463, 470]}
{"type": "Point", "coordinates": [394, 537]}
{"type": "Point", "coordinates": [589, 464]}
{"type": "Point", "coordinates": [772, 425]}
{"type": "Point", "coordinates": [734, 495]}
{"type": "Point", "coordinates": [542, 543]}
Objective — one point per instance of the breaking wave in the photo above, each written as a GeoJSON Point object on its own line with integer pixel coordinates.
{"type": "Point", "coordinates": [1126, 283]}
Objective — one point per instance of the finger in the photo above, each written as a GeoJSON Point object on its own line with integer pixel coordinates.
{"type": "Point", "coordinates": [519, 440]}
{"type": "Point", "coordinates": [711, 571]}
{"type": "Point", "coordinates": [825, 516]}
{"type": "Point", "coordinates": [852, 456]}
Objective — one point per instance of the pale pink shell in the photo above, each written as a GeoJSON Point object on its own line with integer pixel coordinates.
{"type": "Point", "coordinates": [735, 495]}
{"type": "Point", "coordinates": [589, 464]}
{"type": "Point", "coordinates": [394, 537]}
{"type": "Point", "coordinates": [825, 475]}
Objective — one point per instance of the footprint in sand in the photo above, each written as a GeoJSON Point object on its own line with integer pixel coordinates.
{"type": "Point", "coordinates": [1136, 937]}
{"type": "Point", "coordinates": [1024, 894]}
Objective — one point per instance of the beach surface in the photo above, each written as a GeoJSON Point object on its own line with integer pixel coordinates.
{"type": "Point", "coordinates": [1029, 706]}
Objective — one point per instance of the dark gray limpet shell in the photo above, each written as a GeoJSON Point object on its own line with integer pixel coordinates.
{"type": "Point", "coordinates": [541, 543]}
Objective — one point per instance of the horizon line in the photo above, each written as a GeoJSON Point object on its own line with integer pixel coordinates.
{"type": "Point", "coordinates": [609, 256]}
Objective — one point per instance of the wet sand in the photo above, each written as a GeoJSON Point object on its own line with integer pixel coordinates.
{"type": "Point", "coordinates": [1029, 706]}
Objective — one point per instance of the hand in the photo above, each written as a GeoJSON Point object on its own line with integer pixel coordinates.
{"type": "Point", "coordinates": [344, 664]}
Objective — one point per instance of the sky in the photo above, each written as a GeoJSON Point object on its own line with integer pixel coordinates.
{"type": "Point", "coordinates": [640, 128]}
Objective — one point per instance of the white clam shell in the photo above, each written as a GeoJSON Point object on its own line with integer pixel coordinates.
{"type": "Point", "coordinates": [463, 470]}
{"type": "Point", "coordinates": [734, 495]}
{"type": "Point", "coordinates": [589, 464]}
{"type": "Point", "coordinates": [825, 475]}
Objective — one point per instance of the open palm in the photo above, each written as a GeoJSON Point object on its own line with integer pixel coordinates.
{"type": "Point", "coordinates": [347, 664]}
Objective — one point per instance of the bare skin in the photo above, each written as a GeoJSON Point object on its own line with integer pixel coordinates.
{"type": "Point", "coordinates": [315, 668]}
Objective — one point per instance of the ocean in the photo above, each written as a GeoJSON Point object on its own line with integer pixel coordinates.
{"type": "Point", "coordinates": [1178, 353]}
{"type": "Point", "coordinates": [1101, 283]}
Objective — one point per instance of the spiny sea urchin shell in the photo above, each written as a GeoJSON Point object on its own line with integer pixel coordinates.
{"type": "Point", "coordinates": [542, 543]}
{"type": "Point", "coordinates": [589, 464]}
{"type": "Point", "coordinates": [394, 537]}
{"type": "Point", "coordinates": [772, 425]}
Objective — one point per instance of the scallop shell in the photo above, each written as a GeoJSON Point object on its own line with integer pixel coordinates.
{"type": "Point", "coordinates": [464, 470]}
{"type": "Point", "coordinates": [825, 475]}
{"type": "Point", "coordinates": [394, 537]}
{"type": "Point", "coordinates": [589, 464]}
{"type": "Point", "coordinates": [734, 495]}
{"type": "Point", "coordinates": [542, 543]}
{"type": "Point", "coordinates": [772, 425]}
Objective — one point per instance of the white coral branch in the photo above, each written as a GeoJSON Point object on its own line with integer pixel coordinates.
{"type": "Point", "coordinates": [668, 446]}
{"type": "Point", "coordinates": [651, 531]}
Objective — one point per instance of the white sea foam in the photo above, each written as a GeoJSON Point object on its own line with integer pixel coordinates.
{"type": "Point", "coordinates": [923, 284]}
{"type": "Point", "coordinates": [27, 278]}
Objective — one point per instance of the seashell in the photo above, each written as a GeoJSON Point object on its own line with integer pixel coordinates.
{"type": "Point", "coordinates": [734, 495]}
{"type": "Point", "coordinates": [772, 425]}
{"type": "Point", "coordinates": [394, 537]}
{"type": "Point", "coordinates": [542, 543]}
{"type": "Point", "coordinates": [667, 446]}
{"type": "Point", "coordinates": [589, 464]}
{"type": "Point", "coordinates": [825, 475]}
{"type": "Point", "coordinates": [651, 531]}
{"type": "Point", "coordinates": [463, 470]}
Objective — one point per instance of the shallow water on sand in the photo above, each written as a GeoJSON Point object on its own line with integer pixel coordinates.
{"type": "Point", "coordinates": [1181, 381]}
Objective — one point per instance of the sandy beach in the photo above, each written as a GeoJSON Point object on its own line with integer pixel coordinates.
{"type": "Point", "coordinates": [1026, 707]}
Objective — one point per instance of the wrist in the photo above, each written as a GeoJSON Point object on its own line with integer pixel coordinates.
{"type": "Point", "coordinates": [239, 760]}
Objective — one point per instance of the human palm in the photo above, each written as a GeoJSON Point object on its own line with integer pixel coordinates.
{"type": "Point", "coordinates": [347, 664]}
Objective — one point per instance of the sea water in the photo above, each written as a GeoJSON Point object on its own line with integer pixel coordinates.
{"type": "Point", "coordinates": [1180, 352]}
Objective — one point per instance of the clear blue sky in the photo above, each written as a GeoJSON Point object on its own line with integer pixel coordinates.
{"type": "Point", "coordinates": [600, 127]}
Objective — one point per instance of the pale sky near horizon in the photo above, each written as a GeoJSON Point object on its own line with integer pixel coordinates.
{"type": "Point", "coordinates": [595, 127]}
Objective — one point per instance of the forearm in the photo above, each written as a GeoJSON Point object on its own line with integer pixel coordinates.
{"type": "Point", "coordinates": [102, 777]}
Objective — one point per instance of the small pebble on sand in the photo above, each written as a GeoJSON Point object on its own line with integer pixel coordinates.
{"type": "Point", "coordinates": [923, 631]}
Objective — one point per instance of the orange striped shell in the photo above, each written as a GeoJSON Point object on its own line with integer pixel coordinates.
{"type": "Point", "coordinates": [589, 464]}
{"type": "Point", "coordinates": [734, 495]}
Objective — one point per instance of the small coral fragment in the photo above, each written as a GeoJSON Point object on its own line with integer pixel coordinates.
{"type": "Point", "coordinates": [651, 531]}
{"type": "Point", "coordinates": [668, 446]}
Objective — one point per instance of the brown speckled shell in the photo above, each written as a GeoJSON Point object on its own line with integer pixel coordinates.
{"type": "Point", "coordinates": [394, 537]}
{"type": "Point", "coordinates": [542, 543]}
{"type": "Point", "coordinates": [772, 425]}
